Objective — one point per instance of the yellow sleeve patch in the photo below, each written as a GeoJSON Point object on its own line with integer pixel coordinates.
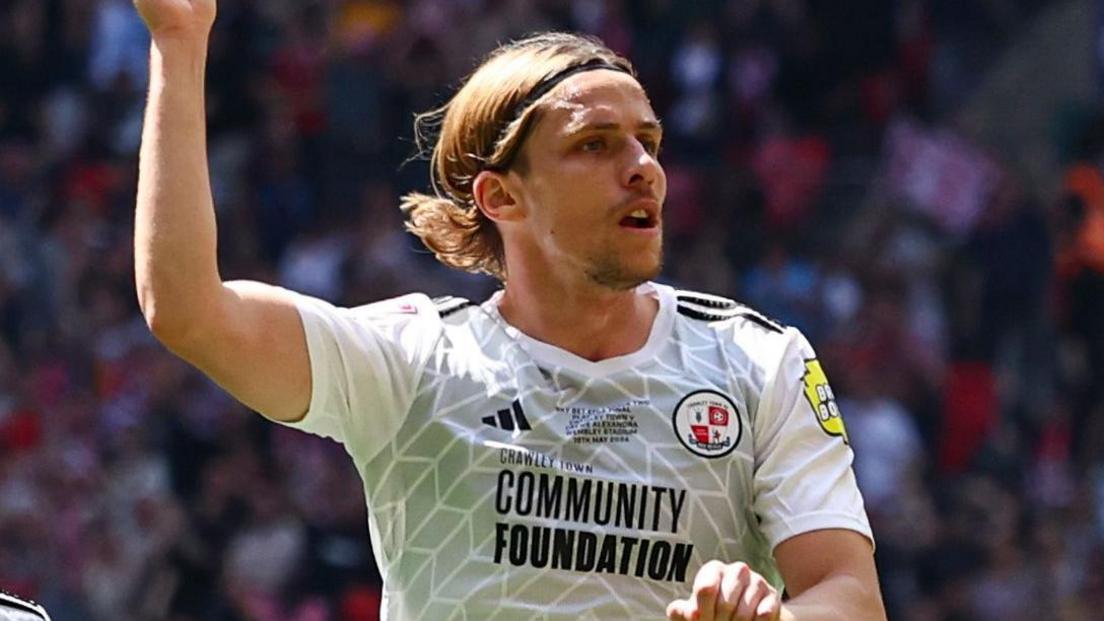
{"type": "Point", "coordinates": [820, 397]}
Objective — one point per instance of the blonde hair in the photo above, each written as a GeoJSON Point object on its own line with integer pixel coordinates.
{"type": "Point", "coordinates": [482, 128]}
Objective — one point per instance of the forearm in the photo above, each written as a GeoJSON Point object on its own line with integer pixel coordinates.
{"type": "Point", "coordinates": [174, 229]}
{"type": "Point", "coordinates": [841, 597]}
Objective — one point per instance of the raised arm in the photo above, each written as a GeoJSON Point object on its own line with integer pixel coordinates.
{"type": "Point", "coordinates": [246, 336]}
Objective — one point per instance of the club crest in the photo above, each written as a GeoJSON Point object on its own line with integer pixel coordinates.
{"type": "Point", "coordinates": [707, 423]}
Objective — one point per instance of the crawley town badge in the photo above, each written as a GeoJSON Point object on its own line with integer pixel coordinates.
{"type": "Point", "coordinates": [707, 423]}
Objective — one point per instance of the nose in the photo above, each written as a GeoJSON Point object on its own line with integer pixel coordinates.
{"type": "Point", "coordinates": [643, 169]}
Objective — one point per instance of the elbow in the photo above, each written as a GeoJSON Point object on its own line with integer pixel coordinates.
{"type": "Point", "coordinates": [865, 597]}
{"type": "Point", "coordinates": [171, 324]}
{"type": "Point", "coordinates": [180, 310]}
{"type": "Point", "coordinates": [169, 330]}
{"type": "Point", "coordinates": [872, 604]}
{"type": "Point", "coordinates": [840, 596]}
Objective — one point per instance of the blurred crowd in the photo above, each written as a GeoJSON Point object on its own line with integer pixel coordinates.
{"type": "Point", "coordinates": [814, 174]}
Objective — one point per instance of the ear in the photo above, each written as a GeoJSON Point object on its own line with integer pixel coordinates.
{"type": "Point", "coordinates": [494, 197]}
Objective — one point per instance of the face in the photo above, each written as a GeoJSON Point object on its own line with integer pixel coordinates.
{"type": "Point", "coordinates": [592, 190]}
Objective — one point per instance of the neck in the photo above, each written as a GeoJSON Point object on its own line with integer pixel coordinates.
{"type": "Point", "coordinates": [589, 320]}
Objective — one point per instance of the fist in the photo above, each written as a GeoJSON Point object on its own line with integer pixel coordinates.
{"type": "Point", "coordinates": [177, 18]}
{"type": "Point", "coordinates": [728, 593]}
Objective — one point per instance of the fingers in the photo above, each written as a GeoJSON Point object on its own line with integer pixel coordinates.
{"type": "Point", "coordinates": [733, 582]}
{"type": "Point", "coordinates": [680, 610]}
{"type": "Point", "coordinates": [707, 586]}
{"type": "Point", "coordinates": [727, 593]}
{"type": "Point", "coordinates": [754, 591]}
{"type": "Point", "coordinates": [770, 607]}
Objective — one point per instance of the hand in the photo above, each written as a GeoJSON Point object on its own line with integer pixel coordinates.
{"type": "Point", "coordinates": [188, 19]}
{"type": "Point", "coordinates": [728, 593]}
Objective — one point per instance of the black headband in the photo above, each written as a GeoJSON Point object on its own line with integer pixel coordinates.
{"type": "Point", "coordinates": [550, 82]}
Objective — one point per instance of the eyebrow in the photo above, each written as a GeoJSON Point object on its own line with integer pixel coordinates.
{"type": "Point", "coordinates": [574, 129]}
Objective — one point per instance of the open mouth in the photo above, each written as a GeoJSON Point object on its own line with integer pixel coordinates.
{"type": "Point", "coordinates": [639, 219]}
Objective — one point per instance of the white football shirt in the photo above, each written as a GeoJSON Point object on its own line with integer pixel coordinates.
{"type": "Point", "coordinates": [509, 479]}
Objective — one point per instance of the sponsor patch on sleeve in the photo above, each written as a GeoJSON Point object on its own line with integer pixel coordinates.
{"type": "Point", "coordinates": [823, 401]}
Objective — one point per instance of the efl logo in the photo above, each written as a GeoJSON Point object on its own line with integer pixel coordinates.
{"type": "Point", "coordinates": [708, 423]}
{"type": "Point", "coordinates": [823, 401]}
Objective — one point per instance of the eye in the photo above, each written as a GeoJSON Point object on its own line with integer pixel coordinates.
{"type": "Point", "coordinates": [593, 145]}
{"type": "Point", "coordinates": [651, 145]}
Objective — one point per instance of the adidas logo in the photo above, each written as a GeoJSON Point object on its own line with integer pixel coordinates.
{"type": "Point", "coordinates": [508, 419]}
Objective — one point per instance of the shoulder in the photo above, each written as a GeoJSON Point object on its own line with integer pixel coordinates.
{"type": "Point", "coordinates": [449, 306]}
{"type": "Point", "coordinates": [420, 313]}
{"type": "Point", "coordinates": [714, 309]}
{"type": "Point", "coordinates": [739, 327]}
{"type": "Point", "coordinates": [414, 316]}
{"type": "Point", "coordinates": [415, 308]}
{"type": "Point", "coordinates": [21, 608]}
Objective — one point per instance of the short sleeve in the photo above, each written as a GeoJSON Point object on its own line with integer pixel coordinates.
{"type": "Point", "coordinates": [803, 475]}
{"type": "Point", "coordinates": [365, 366]}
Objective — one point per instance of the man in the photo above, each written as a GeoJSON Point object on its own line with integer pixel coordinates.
{"type": "Point", "coordinates": [585, 444]}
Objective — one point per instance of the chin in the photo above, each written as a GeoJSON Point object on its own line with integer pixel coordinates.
{"type": "Point", "coordinates": [623, 275]}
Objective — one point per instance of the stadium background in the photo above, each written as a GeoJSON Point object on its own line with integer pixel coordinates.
{"type": "Point", "coordinates": [914, 183]}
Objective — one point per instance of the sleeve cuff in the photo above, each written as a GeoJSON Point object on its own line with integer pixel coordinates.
{"type": "Point", "coordinates": [315, 420]}
{"type": "Point", "coordinates": [781, 531]}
